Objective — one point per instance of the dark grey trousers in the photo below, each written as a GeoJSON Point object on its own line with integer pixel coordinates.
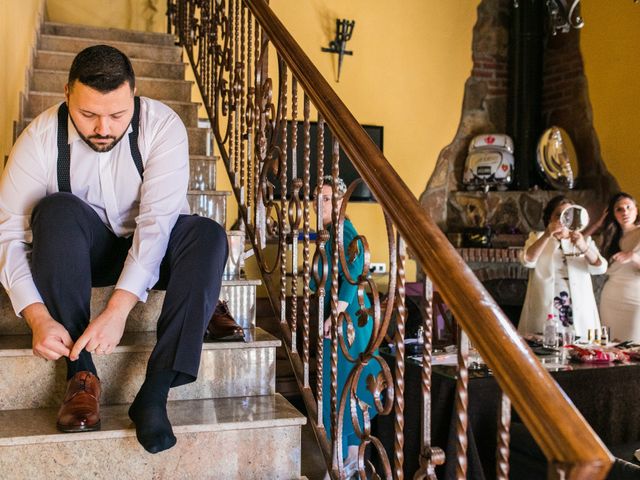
{"type": "Point", "coordinates": [74, 251]}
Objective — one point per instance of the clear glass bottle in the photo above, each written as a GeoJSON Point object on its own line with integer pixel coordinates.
{"type": "Point", "coordinates": [567, 337]}
{"type": "Point", "coordinates": [550, 337]}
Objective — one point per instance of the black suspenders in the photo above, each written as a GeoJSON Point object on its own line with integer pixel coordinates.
{"type": "Point", "coordinates": [64, 151]}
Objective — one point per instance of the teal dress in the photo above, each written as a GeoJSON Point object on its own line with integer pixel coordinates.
{"type": "Point", "coordinates": [347, 293]}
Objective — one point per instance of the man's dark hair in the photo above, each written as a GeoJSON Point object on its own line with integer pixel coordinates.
{"type": "Point", "coordinates": [102, 68]}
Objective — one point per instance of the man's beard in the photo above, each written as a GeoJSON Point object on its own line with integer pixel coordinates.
{"type": "Point", "coordinates": [102, 148]}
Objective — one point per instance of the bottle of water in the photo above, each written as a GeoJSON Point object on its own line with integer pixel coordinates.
{"type": "Point", "coordinates": [550, 338]}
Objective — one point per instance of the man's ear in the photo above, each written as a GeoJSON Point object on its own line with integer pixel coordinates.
{"type": "Point", "coordinates": [66, 92]}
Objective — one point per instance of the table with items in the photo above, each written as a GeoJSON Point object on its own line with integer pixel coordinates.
{"type": "Point", "coordinates": [603, 383]}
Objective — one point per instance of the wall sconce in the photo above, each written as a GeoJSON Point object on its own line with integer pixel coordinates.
{"type": "Point", "coordinates": [344, 30]}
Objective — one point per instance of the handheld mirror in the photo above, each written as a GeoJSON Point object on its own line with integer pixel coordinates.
{"type": "Point", "coordinates": [574, 218]}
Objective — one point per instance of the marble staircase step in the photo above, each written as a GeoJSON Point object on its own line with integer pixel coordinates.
{"type": "Point", "coordinates": [209, 203]}
{"type": "Point", "coordinates": [227, 369]}
{"type": "Point", "coordinates": [132, 50]}
{"type": "Point", "coordinates": [228, 438]}
{"type": "Point", "coordinates": [54, 60]}
{"type": "Point", "coordinates": [239, 293]}
{"type": "Point", "coordinates": [112, 34]}
{"type": "Point", "coordinates": [156, 88]}
{"type": "Point", "coordinates": [199, 141]}
{"type": "Point", "coordinates": [38, 102]}
{"type": "Point", "coordinates": [203, 172]}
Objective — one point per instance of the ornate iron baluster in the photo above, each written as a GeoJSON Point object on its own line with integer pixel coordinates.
{"type": "Point", "coordinates": [231, 94]}
{"type": "Point", "coordinates": [258, 210]}
{"type": "Point", "coordinates": [236, 93]}
{"type": "Point", "coordinates": [430, 456]}
{"type": "Point", "coordinates": [250, 116]}
{"type": "Point", "coordinates": [282, 168]}
{"type": "Point", "coordinates": [242, 118]}
{"type": "Point", "coordinates": [461, 405]}
{"type": "Point", "coordinates": [321, 239]}
{"type": "Point", "coordinates": [398, 445]}
{"type": "Point", "coordinates": [336, 428]}
{"type": "Point", "coordinates": [306, 287]}
{"type": "Point", "coordinates": [502, 447]}
{"type": "Point", "coordinates": [294, 214]}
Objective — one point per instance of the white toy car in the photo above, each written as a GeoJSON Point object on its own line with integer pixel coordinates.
{"type": "Point", "coordinates": [489, 162]}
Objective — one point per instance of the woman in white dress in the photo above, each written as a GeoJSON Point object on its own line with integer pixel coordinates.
{"type": "Point", "coordinates": [561, 263]}
{"type": "Point", "coordinates": [620, 301]}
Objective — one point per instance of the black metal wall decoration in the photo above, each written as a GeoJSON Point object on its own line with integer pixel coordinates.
{"type": "Point", "coordinates": [344, 30]}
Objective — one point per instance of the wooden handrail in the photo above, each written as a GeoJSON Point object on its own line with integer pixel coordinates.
{"type": "Point", "coordinates": [559, 429]}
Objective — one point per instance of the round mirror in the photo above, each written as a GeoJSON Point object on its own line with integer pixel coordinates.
{"type": "Point", "coordinates": [557, 158]}
{"type": "Point", "coordinates": [574, 218]}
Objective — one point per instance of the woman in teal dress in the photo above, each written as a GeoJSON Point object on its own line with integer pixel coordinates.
{"type": "Point", "coordinates": [348, 302]}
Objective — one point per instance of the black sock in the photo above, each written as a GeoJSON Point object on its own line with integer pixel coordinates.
{"type": "Point", "coordinates": [84, 363]}
{"type": "Point", "coordinates": [149, 412]}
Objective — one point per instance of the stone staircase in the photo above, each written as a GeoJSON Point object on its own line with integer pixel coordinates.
{"type": "Point", "coordinates": [230, 423]}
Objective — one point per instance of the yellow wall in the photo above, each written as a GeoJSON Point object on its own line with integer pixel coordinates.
{"type": "Point", "coordinates": [407, 73]}
{"type": "Point", "coordinates": [610, 44]}
{"type": "Point", "coordinates": [18, 23]}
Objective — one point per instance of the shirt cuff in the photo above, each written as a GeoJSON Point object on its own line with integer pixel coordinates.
{"type": "Point", "coordinates": [136, 280]}
{"type": "Point", "coordinates": [24, 294]}
{"type": "Point", "coordinates": [598, 269]}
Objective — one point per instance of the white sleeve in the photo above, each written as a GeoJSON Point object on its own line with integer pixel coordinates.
{"type": "Point", "coordinates": [163, 193]}
{"type": "Point", "coordinates": [596, 269]}
{"type": "Point", "coordinates": [533, 237]}
{"type": "Point", "coordinates": [22, 185]}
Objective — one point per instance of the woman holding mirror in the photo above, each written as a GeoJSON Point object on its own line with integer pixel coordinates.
{"type": "Point", "coordinates": [562, 261]}
{"type": "Point", "coordinates": [620, 301]}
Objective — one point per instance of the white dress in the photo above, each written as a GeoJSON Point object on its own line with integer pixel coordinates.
{"type": "Point", "coordinates": [620, 301]}
{"type": "Point", "coordinates": [542, 286]}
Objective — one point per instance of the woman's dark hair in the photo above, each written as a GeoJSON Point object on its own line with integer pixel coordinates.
{"type": "Point", "coordinates": [554, 203]}
{"type": "Point", "coordinates": [612, 229]}
{"type": "Point", "coordinates": [102, 68]}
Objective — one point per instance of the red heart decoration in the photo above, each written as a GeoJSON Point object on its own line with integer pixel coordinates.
{"type": "Point", "coordinates": [490, 139]}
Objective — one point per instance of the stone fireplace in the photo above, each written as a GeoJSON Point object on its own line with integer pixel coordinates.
{"type": "Point", "coordinates": [561, 99]}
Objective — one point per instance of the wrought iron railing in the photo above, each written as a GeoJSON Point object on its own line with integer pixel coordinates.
{"type": "Point", "coordinates": [256, 117]}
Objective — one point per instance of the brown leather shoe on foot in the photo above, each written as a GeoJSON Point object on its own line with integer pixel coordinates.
{"type": "Point", "coordinates": [80, 410]}
{"type": "Point", "coordinates": [222, 327]}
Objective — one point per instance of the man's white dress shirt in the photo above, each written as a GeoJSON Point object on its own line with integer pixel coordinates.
{"type": "Point", "coordinates": [109, 183]}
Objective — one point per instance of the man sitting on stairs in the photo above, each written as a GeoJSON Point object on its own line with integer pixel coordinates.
{"type": "Point", "coordinates": [94, 194]}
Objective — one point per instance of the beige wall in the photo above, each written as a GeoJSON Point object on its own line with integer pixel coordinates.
{"type": "Point", "coordinates": [18, 22]}
{"type": "Point", "coordinates": [148, 15]}
{"type": "Point", "coordinates": [610, 47]}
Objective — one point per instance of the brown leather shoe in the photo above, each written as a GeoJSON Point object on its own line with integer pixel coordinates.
{"type": "Point", "coordinates": [80, 410]}
{"type": "Point", "coordinates": [222, 327]}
